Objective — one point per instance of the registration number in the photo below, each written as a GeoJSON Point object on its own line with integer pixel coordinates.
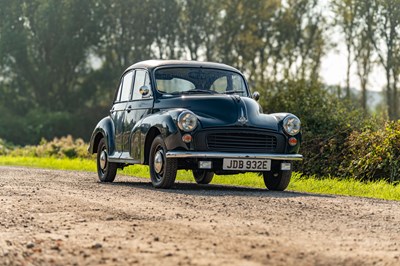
{"type": "Point", "coordinates": [246, 164]}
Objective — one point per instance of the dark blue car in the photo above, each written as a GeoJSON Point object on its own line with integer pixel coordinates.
{"type": "Point", "coordinates": [198, 116]}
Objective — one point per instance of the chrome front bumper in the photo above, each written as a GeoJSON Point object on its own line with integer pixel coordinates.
{"type": "Point", "coordinates": [221, 155]}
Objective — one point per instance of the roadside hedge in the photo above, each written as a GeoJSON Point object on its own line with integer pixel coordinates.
{"type": "Point", "coordinates": [5, 147]}
{"type": "Point", "coordinates": [65, 147]}
{"type": "Point", "coordinates": [373, 155]}
{"type": "Point", "coordinates": [339, 140]}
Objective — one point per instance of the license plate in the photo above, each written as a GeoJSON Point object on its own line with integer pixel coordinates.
{"type": "Point", "coordinates": [247, 164]}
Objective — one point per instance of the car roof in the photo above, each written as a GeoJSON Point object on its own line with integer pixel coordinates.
{"type": "Point", "coordinates": [152, 64]}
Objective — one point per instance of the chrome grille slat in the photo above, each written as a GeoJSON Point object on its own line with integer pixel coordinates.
{"type": "Point", "coordinates": [256, 142]}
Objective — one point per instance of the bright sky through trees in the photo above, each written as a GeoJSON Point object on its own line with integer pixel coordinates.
{"type": "Point", "coordinates": [333, 64]}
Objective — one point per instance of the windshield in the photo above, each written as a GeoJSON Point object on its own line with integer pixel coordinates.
{"type": "Point", "coordinates": [186, 80]}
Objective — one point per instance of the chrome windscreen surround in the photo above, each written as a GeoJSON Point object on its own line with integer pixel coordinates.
{"type": "Point", "coordinates": [221, 155]}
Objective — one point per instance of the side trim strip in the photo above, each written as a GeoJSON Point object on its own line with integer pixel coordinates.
{"type": "Point", "coordinates": [124, 161]}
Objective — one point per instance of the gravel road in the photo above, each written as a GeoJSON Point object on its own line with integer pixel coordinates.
{"type": "Point", "coordinates": [67, 218]}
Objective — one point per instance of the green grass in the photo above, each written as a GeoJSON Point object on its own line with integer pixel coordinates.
{"type": "Point", "coordinates": [381, 189]}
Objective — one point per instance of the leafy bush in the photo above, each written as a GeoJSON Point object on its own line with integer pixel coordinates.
{"type": "Point", "coordinates": [5, 147]}
{"type": "Point", "coordinates": [373, 155]}
{"type": "Point", "coordinates": [65, 147]}
{"type": "Point", "coordinates": [327, 122]}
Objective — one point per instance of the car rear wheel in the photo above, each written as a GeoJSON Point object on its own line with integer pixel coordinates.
{"type": "Point", "coordinates": [203, 176]}
{"type": "Point", "coordinates": [162, 169]}
{"type": "Point", "coordinates": [105, 169]}
{"type": "Point", "coordinates": [277, 180]}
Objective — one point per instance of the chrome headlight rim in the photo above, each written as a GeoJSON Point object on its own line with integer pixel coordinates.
{"type": "Point", "coordinates": [292, 125]}
{"type": "Point", "coordinates": [187, 121]}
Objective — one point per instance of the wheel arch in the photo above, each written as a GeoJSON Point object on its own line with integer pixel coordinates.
{"type": "Point", "coordinates": [96, 141]}
{"type": "Point", "coordinates": [104, 129]}
{"type": "Point", "coordinates": [151, 135]}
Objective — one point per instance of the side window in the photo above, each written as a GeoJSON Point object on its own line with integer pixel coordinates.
{"type": "Point", "coordinates": [126, 86]}
{"type": "Point", "coordinates": [118, 96]}
{"type": "Point", "coordinates": [141, 78]}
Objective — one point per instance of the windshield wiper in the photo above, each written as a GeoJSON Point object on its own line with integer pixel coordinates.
{"type": "Point", "coordinates": [234, 91]}
{"type": "Point", "coordinates": [194, 91]}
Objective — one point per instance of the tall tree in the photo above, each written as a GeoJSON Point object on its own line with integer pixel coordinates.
{"type": "Point", "coordinates": [125, 39]}
{"type": "Point", "coordinates": [386, 42]}
{"type": "Point", "coordinates": [44, 43]}
{"type": "Point", "coordinates": [346, 19]}
{"type": "Point", "coordinates": [164, 28]}
{"type": "Point", "coordinates": [300, 29]}
{"type": "Point", "coordinates": [199, 21]}
{"type": "Point", "coordinates": [363, 45]}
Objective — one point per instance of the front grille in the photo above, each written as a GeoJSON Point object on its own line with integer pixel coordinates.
{"type": "Point", "coordinates": [241, 142]}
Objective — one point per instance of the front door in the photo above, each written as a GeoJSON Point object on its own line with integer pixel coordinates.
{"type": "Point", "coordinates": [118, 112]}
{"type": "Point", "coordinates": [138, 107]}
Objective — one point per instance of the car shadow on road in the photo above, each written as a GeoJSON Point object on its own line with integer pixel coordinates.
{"type": "Point", "coordinates": [216, 190]}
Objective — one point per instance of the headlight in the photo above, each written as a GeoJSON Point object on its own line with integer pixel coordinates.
{"type": "Point", "coordinates": [291, 124]}
{"type": "Point", "coordinates": [187, 121]}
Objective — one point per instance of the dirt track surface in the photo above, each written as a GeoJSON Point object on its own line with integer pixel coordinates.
{"type": "Point", "coordinates": [68, 218]}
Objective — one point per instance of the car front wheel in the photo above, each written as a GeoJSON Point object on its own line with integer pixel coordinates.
{"type": "Point", "coordinates": [162, 169]}
{"type": "Point", "coordinates": [202, 176]}
{"type": "Point", "coordinates": [105, 169]}
{"type": "Point", "coordinates": [277, 180]}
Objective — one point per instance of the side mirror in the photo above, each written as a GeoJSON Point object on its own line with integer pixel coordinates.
{"type": "Point", "coordinates": [144, 91]}
{"type": "Point", "coordinates": [256, 95]}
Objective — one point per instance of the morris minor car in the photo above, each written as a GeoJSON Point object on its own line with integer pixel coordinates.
{"type": "Point", "coordinates": [198, 116]}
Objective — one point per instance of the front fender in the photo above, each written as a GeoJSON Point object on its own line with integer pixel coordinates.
{"type": "Point", "coordinates": [104, 129]}
{"type": "Point", "coordinates": [163, 123]}
{"type": "Point", "coordinates": [280, 116]}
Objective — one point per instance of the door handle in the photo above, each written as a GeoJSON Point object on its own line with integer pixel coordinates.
{"type": "Point", "coordinates": [129, 109]}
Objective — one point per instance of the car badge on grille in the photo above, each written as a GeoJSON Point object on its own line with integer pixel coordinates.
{"type": "Point", "coordinates": [242, 119]}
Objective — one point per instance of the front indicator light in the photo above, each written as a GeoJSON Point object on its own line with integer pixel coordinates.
{"type": "Point", "coordinates": [292, 141]}
{"type": "Point", "coordinates": [187, 138]}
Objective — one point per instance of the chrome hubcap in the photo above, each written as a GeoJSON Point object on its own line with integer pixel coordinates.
{"type": "Point", "coordinates": [158, 161]}
{"type": "Point", "coordinates": [103, 159]}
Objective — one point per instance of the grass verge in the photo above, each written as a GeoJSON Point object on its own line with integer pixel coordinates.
{"type": "Point", "coordinates": [299, 183]}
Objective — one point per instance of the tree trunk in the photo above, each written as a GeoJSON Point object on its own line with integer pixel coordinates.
{"type": "Point", "coordinates": [389, 100]}
{"type": "Point", "coordinates": [395, 96]}
{"type": "Point", "coordinates": [348, 71]}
